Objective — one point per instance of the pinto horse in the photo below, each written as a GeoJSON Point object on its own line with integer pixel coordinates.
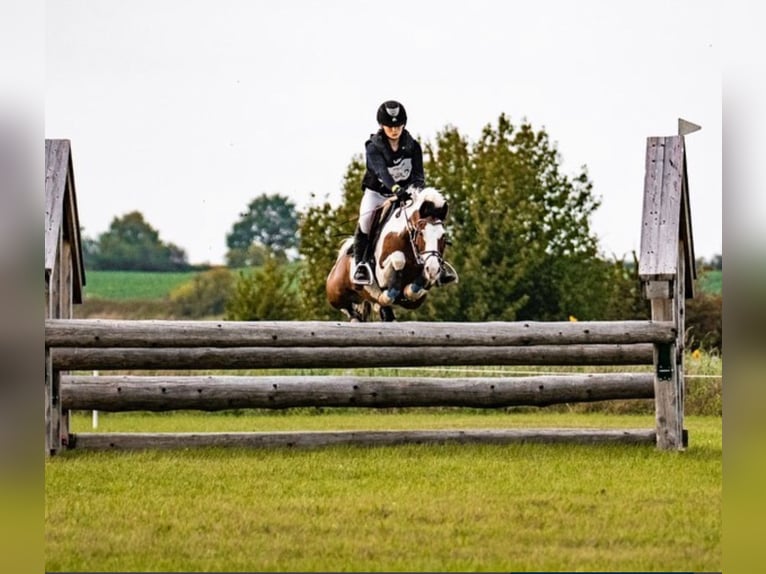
{"type": "Point", "coordinates": [408, 259]}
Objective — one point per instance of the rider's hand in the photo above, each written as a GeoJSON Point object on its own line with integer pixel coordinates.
{"type": "Point", "coordinates": [401, 194]}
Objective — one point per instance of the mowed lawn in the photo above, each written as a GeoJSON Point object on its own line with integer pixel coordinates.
{"type": "Point", "coordinates": [419, 507]}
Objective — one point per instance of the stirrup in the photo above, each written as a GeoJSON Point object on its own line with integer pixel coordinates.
{"type": "Point", "coordinates": [362, 274]}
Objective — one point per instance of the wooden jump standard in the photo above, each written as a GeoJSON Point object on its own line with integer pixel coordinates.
{"type": "Point", "coordinates": [117, 345]}
{"type": "Point", "coordinates": [667, 274]}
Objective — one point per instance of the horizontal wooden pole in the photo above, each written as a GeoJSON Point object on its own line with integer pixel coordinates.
{"type": "Point", "coordinates": [161, 333]}
{"type": "Point", "coordinates": [128, 441]}
{"type": "Point", "coordinates": [157, 393]}
{"type": "Point", "coordinates": [69, 359]}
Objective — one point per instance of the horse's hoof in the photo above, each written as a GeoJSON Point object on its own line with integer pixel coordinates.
{"type": "Point", "coordinates": [412, 294]}
{"type": "Point", "coordinates": [386, 298]}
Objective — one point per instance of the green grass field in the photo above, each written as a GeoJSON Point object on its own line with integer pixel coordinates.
{"type": "Point", "coordinates": [121, 285]}
{"type": "Point", "coordinates": [417, 507]}
{"type": "Point", "coordinates": [424, 507]}
{"type": "Point", "coordinates": [146, 285]}
{"type": "Point", "coordinates": [711, 282]}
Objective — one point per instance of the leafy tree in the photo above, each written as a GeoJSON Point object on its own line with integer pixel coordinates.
{"type": "Point", "coordinates": [519, 233]}
{"type": "Point", "coordinates": [270, 222]}
{"type": "Point", "coordinates": [266, 294]}
{"type": "Point", "coordinates": [521, 229]}
{"type": "Point", "coordinates": [704, 325]}
{"type": "Point", "coordinates": [622, 292]}
{"type": "Point", "coordinates": [323, 229]}
{"type": "Point", "coordinates": [715, 263]}
{"type": "Point", "coordinates": [132, 244]}
{"type": "Point", "coordinates": [204, 296]}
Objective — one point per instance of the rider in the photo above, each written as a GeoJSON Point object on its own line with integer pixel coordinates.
{"type": "Point", "coordinates": [394, 163]}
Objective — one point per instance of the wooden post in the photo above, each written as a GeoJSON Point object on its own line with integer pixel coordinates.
{"type": "Point", "coordinates": [665, 270]}
{"type": "Point", "coordinates": [54, 432]}
{"type": "Point", "coordinates": [64, 275]}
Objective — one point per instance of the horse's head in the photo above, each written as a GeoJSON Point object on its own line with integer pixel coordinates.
{"type": "Point", "coordinates": [429, 210]}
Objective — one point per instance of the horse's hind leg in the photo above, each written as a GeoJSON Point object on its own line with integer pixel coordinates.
{"type": "Point", "coordinates": [359, 312]}
{"type": "Point", "coordinates": [387, 314]}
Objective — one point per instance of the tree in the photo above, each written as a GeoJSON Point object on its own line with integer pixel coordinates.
{"type": "Point", "coordinates": [131, 244]}
{"type": "Point", "coordinates": [323, 229]}
{"type": "Point", "coordinates": [519, 232]}
{"type": "Point", "coordinates": [521, 229]}
{"type": "Point", "coordinates": [271, 222]}
{"type": "Point", "coordinates": [204, 296]}
{"type": "Point", "coordinates": [266, 294]}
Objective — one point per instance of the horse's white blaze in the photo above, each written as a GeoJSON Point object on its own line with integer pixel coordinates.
{"type": "Point", "coordinates": [397, 224]}
{"type": "Point", "coordinates": [431, 265]}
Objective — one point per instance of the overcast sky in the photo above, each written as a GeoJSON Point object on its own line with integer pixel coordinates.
{"type": "Point", "coordinates": [185, 110]}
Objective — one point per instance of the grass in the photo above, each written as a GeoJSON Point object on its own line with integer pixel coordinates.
{"type": "Point", "coordinates": [133, 285]}
{"type": "Point", "coordinates": [149, 285]}
{"type": "Point", "coordinates": [424, 507]}
{"type": "Point", "coordinates": [711, 281]}
{"type": "Point", "coordinates": [152, 285]}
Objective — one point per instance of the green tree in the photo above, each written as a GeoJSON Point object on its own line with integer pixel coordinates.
{"type": "Point", "coordinates": [265, 294]}
{"type": "Point", "coordinates": [518, 229]}
{"type": "Point", "coordinates": [521, 229]}
{"type": "Point", "coordinates": [271, 222]}
{"type": "Point", "coordinates": [132, 244]}
{"type": "Point", "coordinates": [204, 296]}
{"type": "Point", "coordinates": [323, 230]}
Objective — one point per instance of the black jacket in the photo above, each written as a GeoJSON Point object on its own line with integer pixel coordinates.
{"type": "Point", "coordinates": [386, 167]}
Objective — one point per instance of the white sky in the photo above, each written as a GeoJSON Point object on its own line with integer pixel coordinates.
{"type": "Point", "coordinates": [186, 110]}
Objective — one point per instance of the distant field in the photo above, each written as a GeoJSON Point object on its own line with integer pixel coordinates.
{"type": "Point", "coordinates": [148, 285]}
{"type": "Point", "coordinates": [133, 284]}
{"type": "Point", "coordinates": [711, 282]}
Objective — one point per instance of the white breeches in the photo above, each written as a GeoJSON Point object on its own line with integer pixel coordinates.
{"type": "Point", "coordinates": [371, 200]}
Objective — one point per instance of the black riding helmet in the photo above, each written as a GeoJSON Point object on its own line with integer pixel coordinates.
{"type": "Point", "coordinates": [392, 113]}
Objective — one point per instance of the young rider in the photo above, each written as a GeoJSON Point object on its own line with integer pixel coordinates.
{"type": "Point", "coordinates": [394, 163]}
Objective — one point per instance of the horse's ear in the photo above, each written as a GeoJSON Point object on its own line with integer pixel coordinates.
{"type": "Point", "coordinates": [429, 209]}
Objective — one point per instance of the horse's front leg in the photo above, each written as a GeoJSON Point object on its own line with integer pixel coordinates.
{"type": "Point", "coordinates": [416, 290]}
{"type": "Point", "coordinates": [388, 274]}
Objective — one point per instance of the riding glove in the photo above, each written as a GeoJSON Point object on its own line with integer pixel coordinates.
{"type": "Point", "coordinates": [401, 194]}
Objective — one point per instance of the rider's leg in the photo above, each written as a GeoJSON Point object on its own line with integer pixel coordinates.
{"type": "Point", "coordinates": [361, 272]}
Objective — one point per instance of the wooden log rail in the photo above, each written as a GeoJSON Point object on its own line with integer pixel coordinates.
{"type": "Point", "coordinates": [173, 345]}
{"type": "Point", "coordinates": [314, 439]}
{"type": "Point", "coordinates": [236, 358]}
{"type": "Point", "coordinates": [77, 345]}
{"type": "Point", "coordinates": [98, 333]}
{"type": "Point", "coordinates": [210, 393]}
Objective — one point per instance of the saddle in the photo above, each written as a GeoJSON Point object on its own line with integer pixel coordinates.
{"type": "Point", "coordinates": [379, 218]}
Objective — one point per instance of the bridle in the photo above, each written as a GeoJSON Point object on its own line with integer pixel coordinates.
{"type": "Point", "coordinates": [413, 231]}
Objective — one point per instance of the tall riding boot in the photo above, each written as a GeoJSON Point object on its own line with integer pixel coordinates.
{"type": "Point", "coordinates": [362, 274]}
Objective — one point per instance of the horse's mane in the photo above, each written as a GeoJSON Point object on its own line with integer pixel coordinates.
{"type": "Point", "coordinates": [429, 194]}
{"type": "Point", "coordinates": [430, 202]}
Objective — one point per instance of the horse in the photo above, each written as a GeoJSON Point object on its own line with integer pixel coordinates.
{"type": "Point", "coordinates": [408, 259]}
